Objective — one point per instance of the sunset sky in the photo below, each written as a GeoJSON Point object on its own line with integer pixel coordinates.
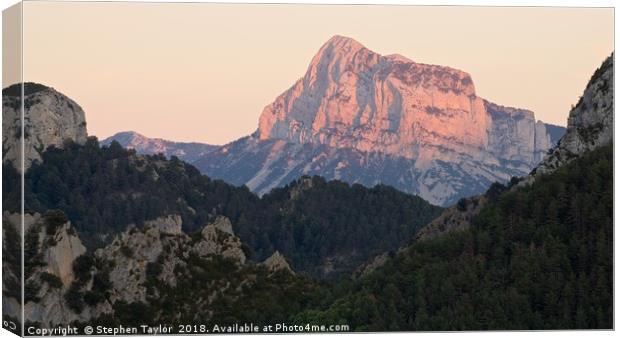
{"type": "Point", "coordinates": [204, 72]}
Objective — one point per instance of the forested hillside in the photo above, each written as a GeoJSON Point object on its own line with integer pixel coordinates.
{"type": "Point", "coordinates": [324, 228]}
{"type": "Point", "coordinates": [539, 257]}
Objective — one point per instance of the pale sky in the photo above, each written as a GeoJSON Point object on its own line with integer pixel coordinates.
{"type": "Point", "coordinates": [204, 72]}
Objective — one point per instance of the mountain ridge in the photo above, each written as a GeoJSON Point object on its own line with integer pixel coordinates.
{"type": "Point", "coordinates": [355, 115]}
{"type": "Point", "coordinates": [187, 151]}
{"type": "Point", "coordinates": [590, 126]}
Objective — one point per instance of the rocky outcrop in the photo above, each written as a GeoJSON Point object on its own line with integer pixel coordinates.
{"type": "Point", "coordinates": [366, 118]}
{"type": "Point", "coordinates": [277, 262]}
{"type": "Point", "coordinates": [125, 269]}
{"type": "Point", "coordinates": [590, 122]}
{"type": "Point", "coordinates": [133, 251]}
{"type": "Point", "coordinates": [516, 136]}
{"type": "Point", "coordinates": [218, 239]}
{"type": "Point", "coordinates": [59, 258]}
{"type": "Point", "coordinates": [186, 151]}
{"type": "Point", "coordinates": [50, 118]}
{"type": "Point", "coordinates": [170, 224]}
{"type": "Point", "coordinates": [455, 218]}
{"type": "Point", "coordinates": [372, 265]}
{"type": "Point", "coordinates": [51, 248]}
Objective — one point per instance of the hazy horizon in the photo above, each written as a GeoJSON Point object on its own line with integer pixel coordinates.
{"type": "Point", "coordinates": [204, 72]}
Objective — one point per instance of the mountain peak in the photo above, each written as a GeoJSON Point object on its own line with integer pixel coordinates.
{"type": "Point", "coordinates": [361, 117]}
{"type": "Point", "coordinates": [399, 58]}
{"type": "Point", "coordinates": [126, 137]}
{"type": "Point", "coordinates": [343, 51]}
{"type": "Point", "coordinates": [29, 88]}
{"type": "Point", "coordinates": [187, 151]}
{"type": "Point", "coordinates": [353, 97]}
{"type": "Point", "coordinates": [343, 41]}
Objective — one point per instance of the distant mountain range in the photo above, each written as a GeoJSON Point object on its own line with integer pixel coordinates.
{"type": "Point", "coordinates": [186, 151]}
{"type": "Point", "coordinates": [365, 118]}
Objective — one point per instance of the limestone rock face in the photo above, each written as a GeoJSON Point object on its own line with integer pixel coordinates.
{"type": "Point", "coordinates": [516, 136]}
{"type": "Point", "coordinates": [355, 98]}
{"type": "Point", "coordinates": [51, 251]}
{"type": "Point", "coordinates": [131, 252]}
{"type": "Point", "coordinates": [155, 243]}
{"type": "Point", "coordinates": [170, 224]}
{"type": "Point", "coordinates": [218, 239]}
{"type": "Point", "coordinates": [49, 118]}
{"type": "Point", "coordinates": [59, 258]}
{"type": "Point", "coordinates": [365, 118]}
{"type": "Point", "coordinates": [590, 122]}
{"type": "Point", "coordinates": [590, 125]}
{"type": "Point", "coordinates": [277, 262]}
{"type": "Point", "coordinates": [158, 249]}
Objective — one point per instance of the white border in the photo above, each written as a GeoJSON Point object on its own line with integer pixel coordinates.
{"type": "Point", "coordinates": [523, 3]}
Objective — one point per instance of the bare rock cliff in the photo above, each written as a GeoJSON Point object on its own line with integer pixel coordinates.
{"type": "Point", "coordinates": [277, 262]}
{"type": "Point", "coordinates": [590, 125]}
{"type": "Point", "coordinates": [590, 122]}
{"type": "Point", "coordinates": [50, 118]}
{"type": "Point", "coordinates": [365, 118]}
{"type": "Point", "coordinates": [64, 283]}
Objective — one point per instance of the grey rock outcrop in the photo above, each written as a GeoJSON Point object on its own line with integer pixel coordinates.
{"type": "Point", "coordinates": [170, 224]}
{"type": "Point", "coordinates": [590, 122]}
{"type": "Point", "coordinates": [130, 254]}
{"type": "Point", "coordinates": [51, 251]}
{"type": "Point", "coordinates": [218, 239]}
{"type": "Point", "coordinates": [59, 258]}
{"type": "Point", "coordinates": [158, 249]}
{"type": "Point", "coordinates": [154, 243]}
{"type": "Point", "coordinates": [50, 118]}
{"type": "Point", "coordinates": [455, 218]}
{"type": "Point", "coordinates": [516, 136]}
{"type": "Point", "coordinates": [277, 262]}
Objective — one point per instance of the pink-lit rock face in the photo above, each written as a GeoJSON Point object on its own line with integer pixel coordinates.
{"type": "Point", "coordinates": [352, 97]}
{"type": "Point", "coordinates": [364, 118]}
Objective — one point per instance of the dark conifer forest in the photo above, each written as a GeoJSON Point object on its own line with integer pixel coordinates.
{"type": "Point", "coordinates": [540, 257]}
{"type": "Point", "coordinates": [104, 189]}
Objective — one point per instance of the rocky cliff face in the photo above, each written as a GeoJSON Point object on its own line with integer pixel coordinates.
{"type": "Point", "coordinates": [277, 262]}
{"type": "Point", "coordinates": [137, 251]}
{"type": "Point", "coordinates": [590, 125]}
{"type": "Point", "coordinates": [64, 283]}
{"type": "Point", "coordinates": [590, 122]}
{"type": "Point", "coordinates": [516, 136]}
{"type": "Point", "coordinates": [366, 118]}
{"type": "Point", "coordinates": [49, 118]}
{"type": "Point", "coordinates": [51, 248]}
{"type": "Point", "coordinates": [352, 97]}
{"type": "Point", "coordinates": [186, 151]}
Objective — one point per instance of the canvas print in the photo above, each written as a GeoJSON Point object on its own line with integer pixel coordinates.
{"type": "Point", "coordinates": [201, 168]}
